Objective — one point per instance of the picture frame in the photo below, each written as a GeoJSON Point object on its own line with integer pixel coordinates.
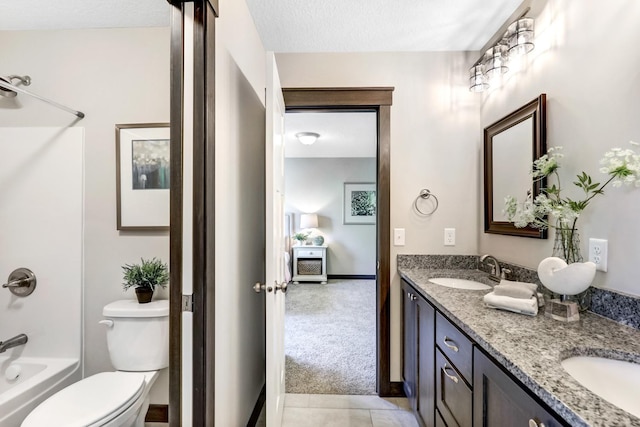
{"type": "Point", "coordinates": [359, 203]}
{"type": "Point", "coordinates": [142, 176]}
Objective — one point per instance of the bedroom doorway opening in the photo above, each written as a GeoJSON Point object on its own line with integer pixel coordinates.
{"type": "Point", "coordinates": [331, 206]}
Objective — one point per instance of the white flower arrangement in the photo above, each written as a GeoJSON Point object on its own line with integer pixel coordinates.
{"type": "Point", "coordinates": [622, 166]}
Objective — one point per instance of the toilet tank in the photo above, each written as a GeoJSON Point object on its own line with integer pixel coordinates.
{"type": "Point", "coordinates": [138, 334]}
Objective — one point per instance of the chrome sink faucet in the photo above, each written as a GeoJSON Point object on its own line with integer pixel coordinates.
{"type": "Point", "coordinates": [496, 272]}
{"type": "Point", "coordinates": [13, 342]}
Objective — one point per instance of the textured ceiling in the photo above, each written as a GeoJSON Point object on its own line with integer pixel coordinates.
{"type": "Point", "coordinates": [71, 14]}
{"type": "Point", "coordinates": [296, 25]}
{"type": "Point", "coordinates": [378, 25]}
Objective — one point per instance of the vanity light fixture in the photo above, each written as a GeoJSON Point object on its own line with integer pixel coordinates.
{"type": "Point", "coordinates": [520, 36]}
{"type": "Point", "coordinates": [495, 60]}
{"type": "Point", "coordinates": [517, 40]}
{"type": "Point", "coordinates": [477, 78]}
{"type": "Point", "coordinates": [307, 138]}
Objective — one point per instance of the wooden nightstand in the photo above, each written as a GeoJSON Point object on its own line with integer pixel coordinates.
{"type": "Point", "coordinates": [310, 264]}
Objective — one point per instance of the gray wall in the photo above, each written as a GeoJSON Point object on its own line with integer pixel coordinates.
{"type": "Point", "coordinates": [315, 185]}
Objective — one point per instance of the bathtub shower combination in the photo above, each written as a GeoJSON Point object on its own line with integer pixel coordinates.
{"type": "Point", "coordinates": [40, 329]}
{"type": "Point", "coordinates": [27, 381]}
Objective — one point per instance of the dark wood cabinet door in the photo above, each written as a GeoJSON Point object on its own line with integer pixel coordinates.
{"type": "Point", "coordinates": [409, 371]}
{"type": "Point", "coordinates": [498, 401]}
{"type": "Point", "coordinates": [426, 362]}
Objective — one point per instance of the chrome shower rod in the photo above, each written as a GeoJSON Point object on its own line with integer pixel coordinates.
{"type": "Point", "coordinates": [9, 86]}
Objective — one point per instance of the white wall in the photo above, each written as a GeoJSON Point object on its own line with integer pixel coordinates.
{"type": "Point", "coordinates": [435, 143]}
{"type": "Point", "coordinates": [41, 181]}
{"type": "Point", "coordinates": [316, 185]}
{"type": "Point", "coordinates": [240, 222]}
{"type": "Point", "coordinates": [586, 60]}
{"type": "Point", "coordinates": [113, 76]}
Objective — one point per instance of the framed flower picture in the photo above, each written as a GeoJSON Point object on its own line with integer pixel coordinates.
{"type": "Point", "coordinates": [359, 203]}
{"type": "Point", "coordinates": [142, 176]}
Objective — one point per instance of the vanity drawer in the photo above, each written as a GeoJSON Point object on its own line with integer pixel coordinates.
{"type": "Point", "coordinates": [309, 253]}
{"type": "Point", "coordinates": [453, 395]}
{"type": "Point", "coordinates": [456, 346]}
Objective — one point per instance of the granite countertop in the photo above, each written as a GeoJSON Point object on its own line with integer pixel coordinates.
{"type": "Point", "coordinates": [531, 347]}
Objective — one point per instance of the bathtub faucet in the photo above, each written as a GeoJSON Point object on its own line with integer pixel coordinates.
{"type": "Point", "coordinates": [13, 342]}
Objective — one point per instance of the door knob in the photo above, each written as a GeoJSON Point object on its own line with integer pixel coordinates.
{"type": "Point", "coordinates": [282, 287]}
{"type": "Point", "coordinates": [258, 287]}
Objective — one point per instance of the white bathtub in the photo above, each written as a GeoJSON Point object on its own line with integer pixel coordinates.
{"type": "Point", "coordinates": [38, 379]}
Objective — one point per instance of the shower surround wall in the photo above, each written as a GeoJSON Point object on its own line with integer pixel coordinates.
{"type": "Point", "coordinates": [41, 225]}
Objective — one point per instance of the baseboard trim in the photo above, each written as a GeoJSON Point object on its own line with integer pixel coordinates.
{"type": "Point", "coordinates": [262, 397]}
{"type": "Point", "coordinates": [157, 414]}
{"type": "Point", "coordinates": [396, 389]}
{"type": "Point", "coordinates": [352, 276]}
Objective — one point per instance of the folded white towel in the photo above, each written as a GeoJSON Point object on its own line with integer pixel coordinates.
{"type": "Point", "coordinates": [517, 305]}
{"type": "Point", "coordinates": [514, 291]}
{"type": "Point", "coordinates": [527, 285]}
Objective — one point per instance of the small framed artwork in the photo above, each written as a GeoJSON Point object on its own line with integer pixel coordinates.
{"type": "Point", "coordinates": [359, 203]}
{"type": "Point", "coordinates": [142, 176]}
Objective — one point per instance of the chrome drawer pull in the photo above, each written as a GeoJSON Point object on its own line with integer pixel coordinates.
{"type": "Point", "coordinates": [451, 377]}
{"type": "Point", "coordinates": [447, 340]}
{"type": "Point", "coordinates": [534, 423]}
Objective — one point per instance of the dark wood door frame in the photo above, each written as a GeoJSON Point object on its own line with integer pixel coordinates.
{"type": "Point", "coordinates": [378, 100]}
{"type": "Point", "coordinates": [205, 12]}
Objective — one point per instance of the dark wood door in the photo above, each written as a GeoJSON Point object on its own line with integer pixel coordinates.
{"type": "Point", "coordinates": [498, 401]}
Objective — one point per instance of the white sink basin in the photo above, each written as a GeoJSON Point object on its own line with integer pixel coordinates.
{"type": "Point", "coordinates": [613, 380]}
{"type": "Point", "coordinates": [460, 283]}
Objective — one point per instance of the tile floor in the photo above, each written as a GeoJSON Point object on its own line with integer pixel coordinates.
{"type": "Point", "coordinates": [328, 410]}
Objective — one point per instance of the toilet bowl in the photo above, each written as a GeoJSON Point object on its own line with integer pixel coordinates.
{"type": "Point", "coordinates": [138, 342]}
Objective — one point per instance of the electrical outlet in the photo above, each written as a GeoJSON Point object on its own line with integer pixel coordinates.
{"type": "Point", "coordinates": [598, 253]}
{"type": "Point", "coordinates": [449, 236]}
{"type": "Point", "coordinates": [398, 237]}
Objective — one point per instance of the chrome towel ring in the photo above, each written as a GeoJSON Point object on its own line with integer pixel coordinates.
{"type": "Point", "coordinates": [425, 195]}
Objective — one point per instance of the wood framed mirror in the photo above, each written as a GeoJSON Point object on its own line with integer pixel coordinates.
{"type": "Point", "coordinates": [510, 146]}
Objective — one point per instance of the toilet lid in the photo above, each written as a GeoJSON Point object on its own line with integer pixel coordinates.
{"type": "Point", "coordinates": [96, 399]}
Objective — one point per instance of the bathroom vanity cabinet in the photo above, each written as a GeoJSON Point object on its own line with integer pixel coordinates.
{"type": "Point", "coordinates": [450, 382]}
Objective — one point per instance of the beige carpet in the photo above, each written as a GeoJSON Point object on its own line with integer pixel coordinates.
{"type": "Point", "coordinates": [330, 341]}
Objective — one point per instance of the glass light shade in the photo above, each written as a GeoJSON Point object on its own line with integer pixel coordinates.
{"type": "Point", "coordinates": [495, 60]}
{"type": "Point", "coordinates": [520, 36]}
{"type": "Point", "coordinates": [477, 79]}
{"type": "Point", "coordinates": [308, 221]}
{"type": "Point", "coordinates": [307, 138]}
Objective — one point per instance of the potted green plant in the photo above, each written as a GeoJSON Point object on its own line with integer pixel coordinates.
{"type": "Point", "coordinates": [300, 237]}
{"type": "Point", "coordinates": [145, 277]}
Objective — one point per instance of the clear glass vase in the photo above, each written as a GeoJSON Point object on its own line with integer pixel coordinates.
{"type": "Point", "coordinates": [567, 247]}
{"type": "Point", "coordinates": [567, 244]}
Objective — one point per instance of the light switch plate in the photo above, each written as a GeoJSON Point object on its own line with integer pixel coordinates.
{"type": "Point", "coordinates": [398, 237]}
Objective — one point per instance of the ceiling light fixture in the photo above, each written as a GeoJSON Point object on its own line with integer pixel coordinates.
{"type": "Point", "coordinates": [517, 40]}
{"type": "Point", "coordinates": [307, 138]}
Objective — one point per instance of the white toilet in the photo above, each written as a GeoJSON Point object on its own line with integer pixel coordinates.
{"type": "Point", "coordinates": [138, 341]}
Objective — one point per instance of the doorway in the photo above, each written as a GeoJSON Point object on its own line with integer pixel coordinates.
{"type": "Point", "coordinates": [378, 100]}
{"type": "Point", "coordinates": [330, 321]}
